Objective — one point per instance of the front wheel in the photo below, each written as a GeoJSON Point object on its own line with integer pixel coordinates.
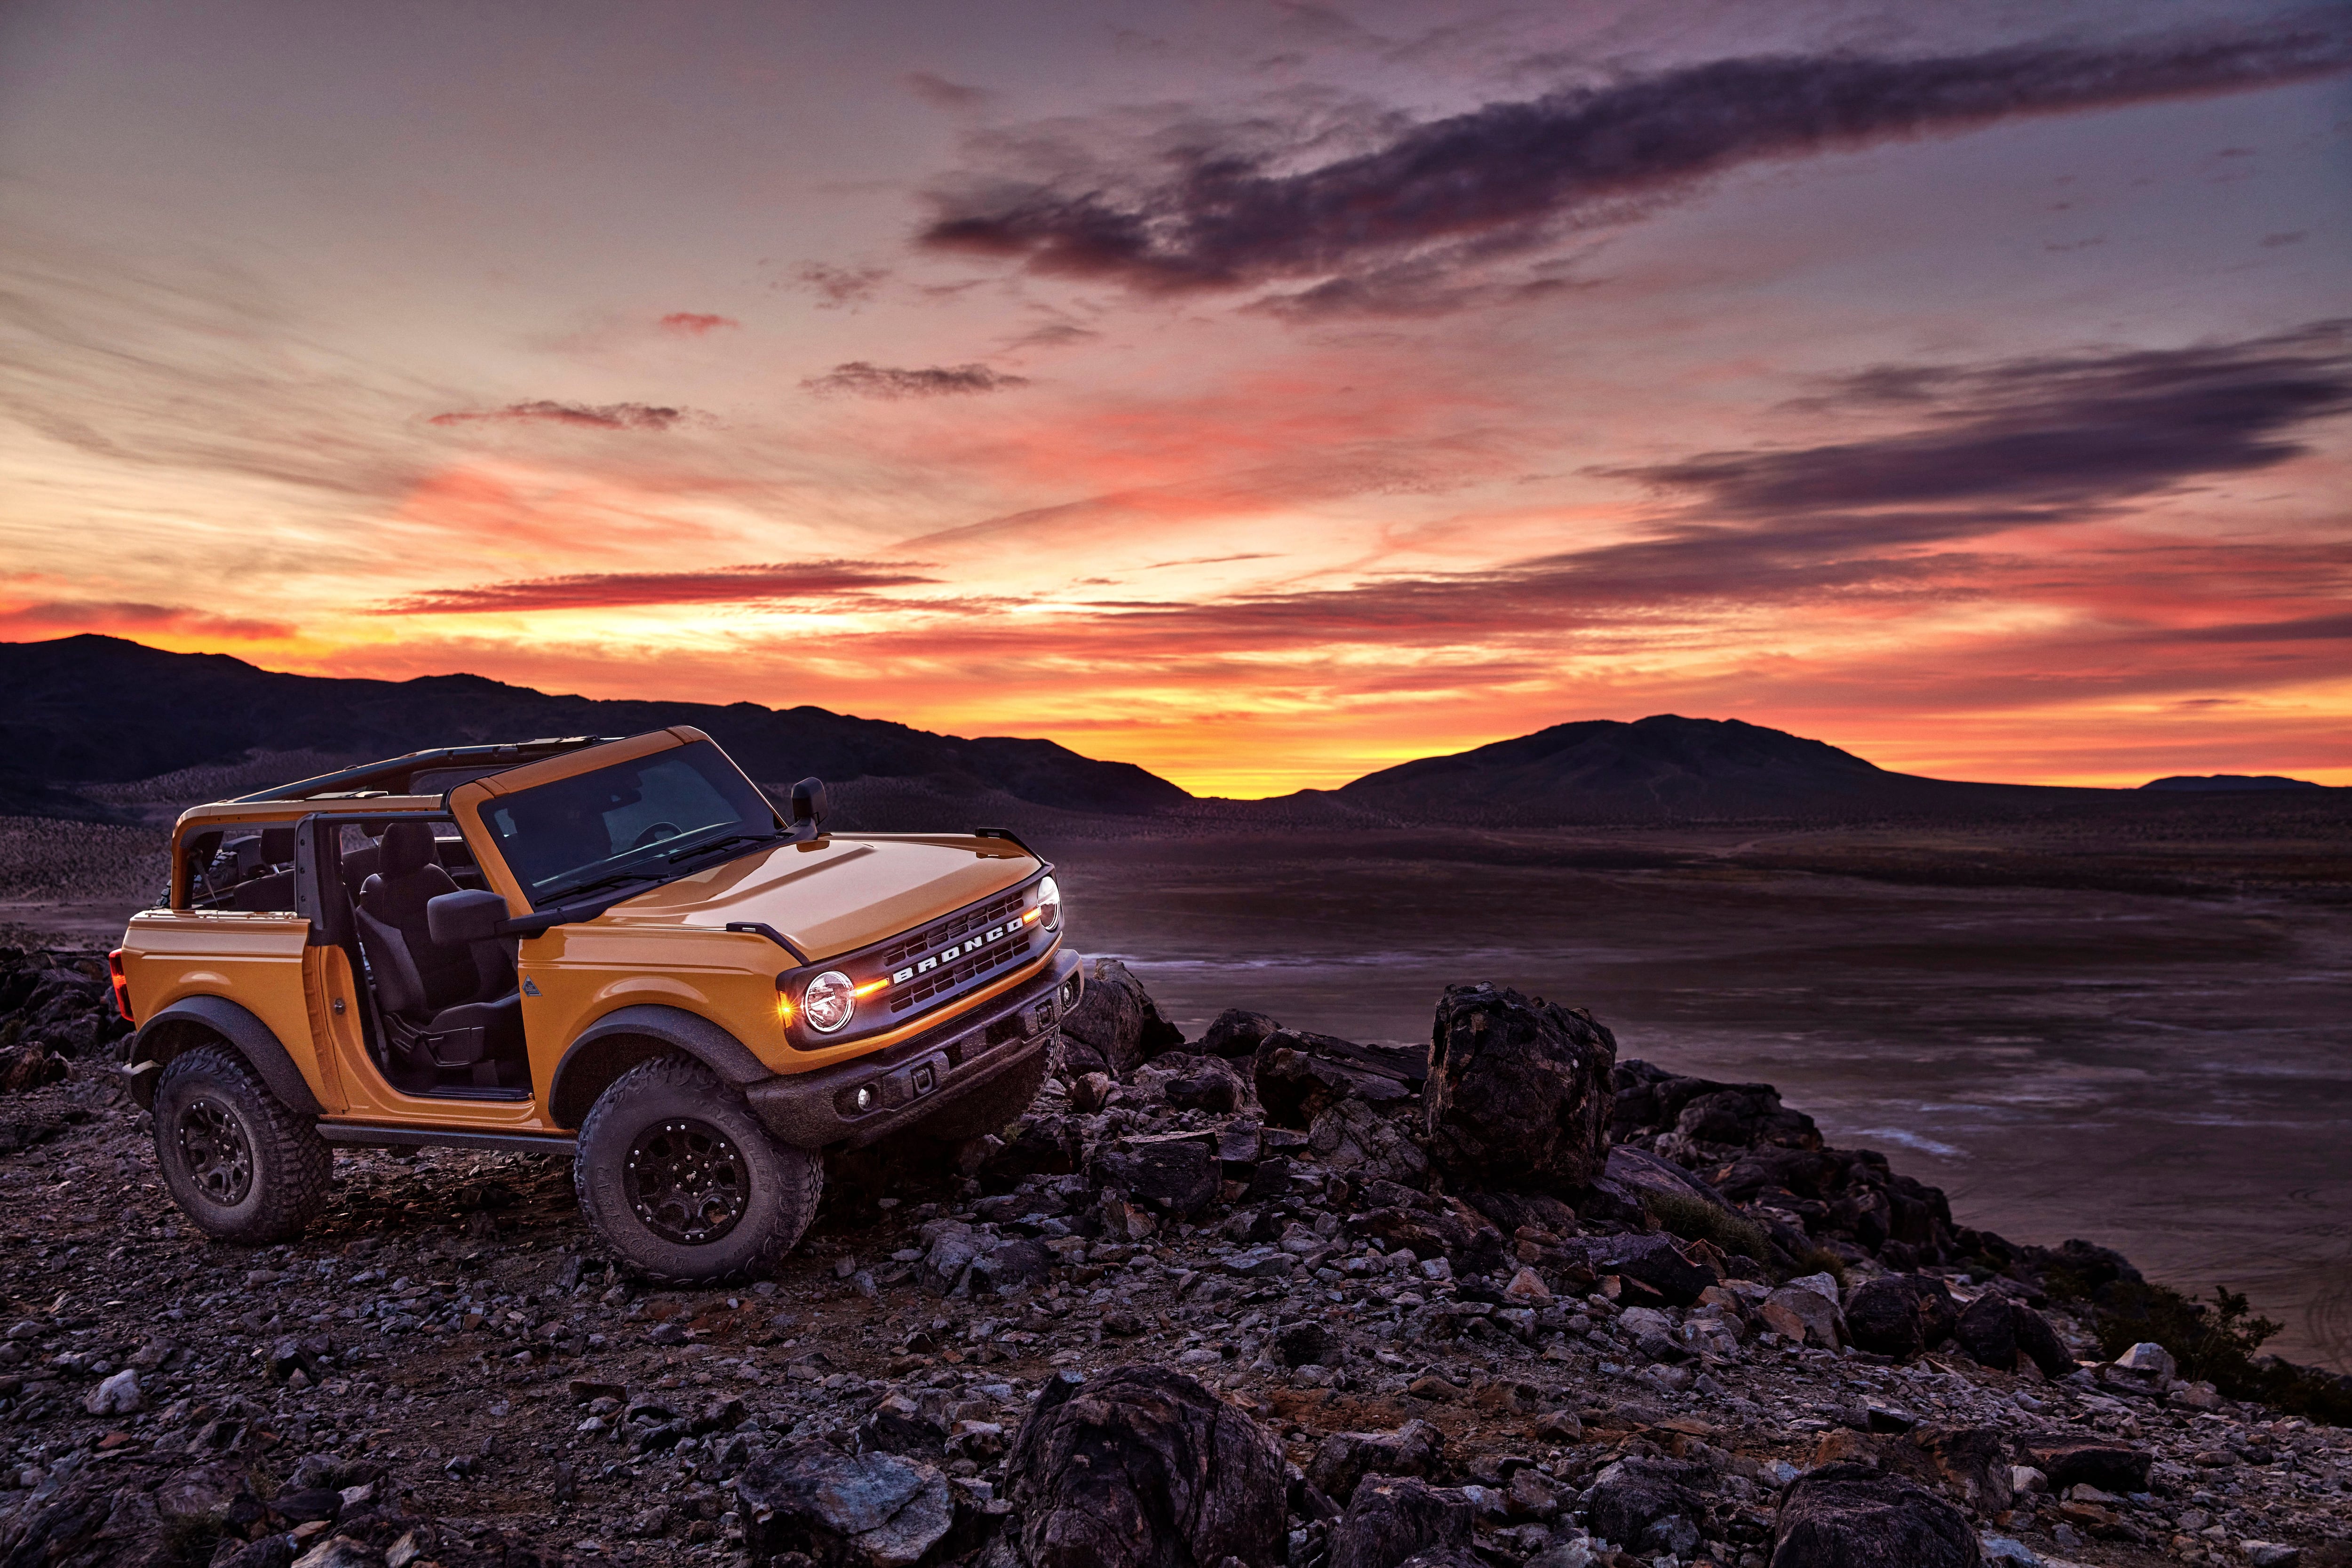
{"type": "Point", "coordinates": [681, 1180]}
{"type": "Point", "coordinates": [236, 1160]}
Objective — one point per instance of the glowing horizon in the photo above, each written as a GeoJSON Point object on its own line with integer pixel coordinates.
{"type": "Point", "coordinates": [1263, 396]}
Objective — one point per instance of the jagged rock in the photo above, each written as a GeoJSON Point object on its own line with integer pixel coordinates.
{"type": "Point", "coordinates": [847, 1510]}
{"type": "Point", "coordinates": [1987, 1331]}
{"type": "Point", "coordinates": [1653, 1506]}
{"type": "Point", "coordinates": [2072, 1459]}
{"type": "Point", "coordinates": [1806, 1317]}
{"type": "Point", "coordinates": [1203, 1083]}
{"type": "Point", "coordinates": [1517, 1097]}
{"type": "Point", "coordinates": [1452, 1230]}
{"type": "Point", "coordinates": [1745, 1116]}
{"type": "Point", "coordinates": [2148, 1364]}
{"type": "Point", "coordinates": [1971, 1462]}
{"type": "Point", "coordinates": [1351, 1137]}
{"type": "Point", "coordinates": [1236, 1033]}
{"type": "Point", "coordinates": [1305, 1344]}
{"type": "Point", "coordinates": [1882, 1317]}
{"type": "Point", "coordinates": [1142, 1467]}
{"type": "Point", "coordinates": [2038, 1341]}
{"type": "Point", "coordinates": [1116, 1026]}
{"type": "Point", "coordinates": [1393, 1519]}
{"type": "Point", "coordinates": [1345, 1458]}
{"type": "Point", "coordinates": [1848, 1516]}
{"type": "Point", "coordinates": [1010, 1263]}
{"type": "Point", "coordinates": [117, 1395]}
{"type": "Point", "coordinates": [1177, 1173]}
{"type": "Point", "coordinates": [1655, 1261]}
{"type": "Point", "coordinates": [1631, 1175]}
{"type": "Point", "coordinates": [1297, 1074]}
{"type": "Point", "coordinates": [1514, 1211]}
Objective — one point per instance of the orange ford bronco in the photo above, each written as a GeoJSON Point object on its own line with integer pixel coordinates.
{"type": "Point", "coordinates": [617, 949]}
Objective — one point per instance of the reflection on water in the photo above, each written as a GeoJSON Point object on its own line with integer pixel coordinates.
{"type": "Point", "coordinates": [2171, 1077]}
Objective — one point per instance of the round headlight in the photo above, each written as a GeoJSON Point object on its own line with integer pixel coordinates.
{"type": "Point", "coordinates": [829, 1002]}
{"type": "Point", "coordinates": [1049, 900]}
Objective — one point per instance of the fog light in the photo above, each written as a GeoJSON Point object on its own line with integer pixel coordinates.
{"type": "Point", "coordinates": [865, 1097]}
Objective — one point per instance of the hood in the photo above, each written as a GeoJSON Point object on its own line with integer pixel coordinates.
{"type": "Point", "coordinates": [833, 894]}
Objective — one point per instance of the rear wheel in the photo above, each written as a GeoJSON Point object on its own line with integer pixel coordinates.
{"type": "Point", "coordinates": [236, 1160]}
{"type": "Point", "coordinates": [684, 1183]}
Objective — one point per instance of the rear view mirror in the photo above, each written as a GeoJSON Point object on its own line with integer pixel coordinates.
{"type": "Point", "coordinates": [457, 920]}
{"type": "Point", "coordinates": [808, 802]}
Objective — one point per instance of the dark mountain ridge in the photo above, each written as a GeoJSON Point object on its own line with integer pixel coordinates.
{"type": "Point", "coordinates": [95, 710]}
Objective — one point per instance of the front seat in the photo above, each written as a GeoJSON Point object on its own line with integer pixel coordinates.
{"type": "Point", "coordinates": [449, 1006]}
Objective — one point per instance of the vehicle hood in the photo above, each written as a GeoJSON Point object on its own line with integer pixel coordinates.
{"type": "Point", "coordinates": [833, 894]}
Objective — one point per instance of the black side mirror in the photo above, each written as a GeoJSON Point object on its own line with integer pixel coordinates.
{"type": "Point", "coordinates": [458, 920]}
{"type": "Point", "coordinates": [808, 802]}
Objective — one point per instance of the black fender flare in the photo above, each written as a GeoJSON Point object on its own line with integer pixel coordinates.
{"type": "Point", "coordinates": [627, 1036]}
{"type": "Point", "coordinates": [192, 1019]}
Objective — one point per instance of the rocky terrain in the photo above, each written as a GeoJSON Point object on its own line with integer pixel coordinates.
{"type": "Point", "coordinates": [1261, 1298]}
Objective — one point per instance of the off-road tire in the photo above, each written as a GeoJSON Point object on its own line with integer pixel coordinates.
{"type": "Point", "coordinates": [993, 1107]}
{"type": "Point", "coordinates": [239, 1161]}
{"type": "Point", "coordinates": [775, 1187]}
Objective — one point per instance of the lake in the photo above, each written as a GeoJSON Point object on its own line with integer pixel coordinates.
{"type": "Point", "coordinates": [2165, 1075]}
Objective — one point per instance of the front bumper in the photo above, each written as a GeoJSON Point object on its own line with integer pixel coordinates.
{"type": "Point", "coordinates": [913, 1078]}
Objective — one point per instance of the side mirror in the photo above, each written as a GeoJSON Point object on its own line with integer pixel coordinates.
{"type": "Point", "coordinates": [808, 803]}
{"type": "Point", "coordinates": [458, 920]}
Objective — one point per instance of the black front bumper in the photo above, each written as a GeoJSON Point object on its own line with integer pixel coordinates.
{"type": "Point", "coordinates": [819, 1108]}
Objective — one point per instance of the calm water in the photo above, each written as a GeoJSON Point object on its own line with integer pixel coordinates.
{"type": "Point", "coordinates": [2170, 1077]}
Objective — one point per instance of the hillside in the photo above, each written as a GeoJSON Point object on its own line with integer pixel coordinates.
{"type": "Point", "coordinates": [91, 710]}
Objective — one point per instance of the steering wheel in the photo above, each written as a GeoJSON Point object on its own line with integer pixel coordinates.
{"type": "Point", "coordinates": [655, 834]}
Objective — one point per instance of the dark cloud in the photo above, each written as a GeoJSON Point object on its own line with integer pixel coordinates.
{"type": "Point", "coordinates": [596, 417]}
{"type": "Point", "coordinates": [2305, 629]}
{"type": "Point", "coordinates": [934, 88]}
{"type": "Point", "coordinates": [838, 288]}
{"type": "Point", "coordinates": [2040, 439]}
{"type": "Point", "coordinates": [612, 590]}
{"type": "Point", "coordinates": [693, 325]}
{"type": "Point", "coordinates": [859, 379]}
{"type": "Point", "coordinates": [1224, 213]}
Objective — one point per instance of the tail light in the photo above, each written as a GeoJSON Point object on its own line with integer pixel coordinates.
{"type": "Point", "coordinates": [122, 986]}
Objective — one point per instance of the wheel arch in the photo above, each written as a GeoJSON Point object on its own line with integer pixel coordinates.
{"type": "Point", "coordinates": [628, 1036]}
{"type": "Point", "coordinates": [194, 1021]}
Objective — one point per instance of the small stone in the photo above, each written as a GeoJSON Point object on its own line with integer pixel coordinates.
{"type": "Point", "coordinates": [1528, 1285]}
{"type": "Point", "coordinates": [117, 1395]}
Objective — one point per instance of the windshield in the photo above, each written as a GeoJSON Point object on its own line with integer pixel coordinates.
{"type": "Point", "coordinates": [635, 817]}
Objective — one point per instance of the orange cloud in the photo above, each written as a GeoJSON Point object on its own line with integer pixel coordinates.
{"type": "Point", "coordinates": [690, 324]}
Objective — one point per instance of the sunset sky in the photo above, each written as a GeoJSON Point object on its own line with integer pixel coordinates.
{"type": "Point", "coordinates": [1263, 394]}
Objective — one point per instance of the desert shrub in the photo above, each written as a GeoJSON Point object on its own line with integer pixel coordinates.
{"type": "Point", "coordinates": [2218, 1342]}
{"type": "Point", "coordinates": [1695, 1219]}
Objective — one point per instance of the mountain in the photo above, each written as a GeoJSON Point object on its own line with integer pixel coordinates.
{"type": "Point", "coordinates": [90, 710]}
{"type": "Point", "coordinates": [2226, 783]}
{"type": "Point", "coordinates": [1664, 766]}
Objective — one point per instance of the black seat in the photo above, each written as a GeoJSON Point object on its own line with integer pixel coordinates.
{"type": "Point", "coordinates": [445, 1006]}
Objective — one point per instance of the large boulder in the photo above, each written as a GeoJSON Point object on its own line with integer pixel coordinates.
{"type": "Point", "coordinates": [1142, 1467]}
{"type": "Point", "coordinates": [1987, 1331]}
{"type": "Point", "coordinates": [1391, 1519]}
{"type": "Point", "coordinates": [1116, 1026]}
{"type": "Point", "coordinates": [873, 1510]}
{"type": "Point", "coordinates": [1656, 1261]}
{"type": "Point", "coordinates": [1971, 1462]}
{"type": "Point", "coordinates": [1344, 1458]}
{"type": "Point", "coordinates": [1651, 1506]}
{"type": "Point", "coordinates": [2082, 1459]}
{"type": "Point", "coordinates": [1177, 1173]}
{"type": "Point", "coordinates": [1803, 1317]}
{"type": "Point", "coordinates": [1517, 1096]}
{"type": "Point", "coordinates": [1299, 1075]}
{"type": "Point", "coordinates": [1236, 1033]}
{"type": "Point", "coordinates": [1899, 1315]}
{"type": "Point", "coordinates": [1452, 1229]}
{"type": "Point", "coordinates": [2038, 1343]}
{"type": "Point", "coordinates": [1851, 1516]}
{"type": "Point", "coordinates": [1357, 1140]}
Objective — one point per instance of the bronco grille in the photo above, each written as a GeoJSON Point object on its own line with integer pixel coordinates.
{"type": "Point", "coordinates": [931, 938]}
{"type": "Point", "coordinates": [951, 977]}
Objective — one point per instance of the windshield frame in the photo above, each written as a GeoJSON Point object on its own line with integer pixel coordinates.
{"type": "Point", "coordinates": [643, 867]}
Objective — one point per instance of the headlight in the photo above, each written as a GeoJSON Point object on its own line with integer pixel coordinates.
{"type": "Point", "coordinates": [829, 1002]}
{"type": "Point", "coordinates": [1049, 900]}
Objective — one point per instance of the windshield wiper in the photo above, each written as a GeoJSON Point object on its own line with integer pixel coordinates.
{"type": "Point", "coordinates": [733, 839]}
{"type": "Point", "coordinates": [616, 879]}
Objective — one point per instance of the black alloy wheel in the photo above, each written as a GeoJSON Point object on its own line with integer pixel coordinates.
{"type": "Point", "coordinates": [214, 1152]}
{"type": "Point", "coordinates": [687, 1181]}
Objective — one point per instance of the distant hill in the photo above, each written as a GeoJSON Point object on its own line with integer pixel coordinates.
{"type": "Point", "coordinates": [2226, 784]}
{"type": "Point", "coordinates": [1665, 767]}
{"type": "Point", "coordinates": [89, 710]}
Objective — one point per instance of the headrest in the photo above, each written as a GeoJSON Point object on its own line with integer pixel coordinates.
{"type": "Point", "coordinates": [407, 850]}
{"type": "Point", "coordinates": [277, 844]}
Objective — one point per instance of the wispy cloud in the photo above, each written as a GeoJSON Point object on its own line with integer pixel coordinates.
{"type": "Point", "coordinates": [126, 618]}
{"type": "Point", "coordinates": [859, 379]}
{"type": "Point", "coordinates": [694, 325]}
{"type": "Point", "coordinates": [594, 416]}
{"type": "Point", "coordinates": [614, 590]}
{"type": "Point", "coordinates": [837, 288]}
{"type": "Point", "coordinates": [1221, 212]}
